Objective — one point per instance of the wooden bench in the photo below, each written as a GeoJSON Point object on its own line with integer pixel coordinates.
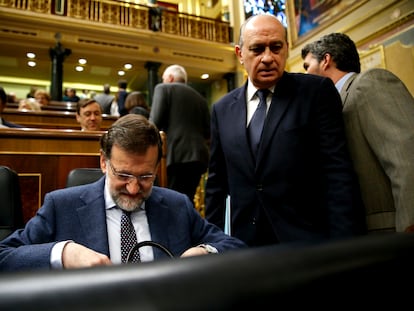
{"type": "Point", "coordinates": [44, 157]}
{"type": "Point", "coordinates": [60, 106]}
{"type": "Point", "coordinates": [53, 106]}
{"type": "Point", "coordinates": [50, 119]}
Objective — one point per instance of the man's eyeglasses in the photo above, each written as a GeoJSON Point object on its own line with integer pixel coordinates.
{"type": "Point", "coordinates": [144, 180]}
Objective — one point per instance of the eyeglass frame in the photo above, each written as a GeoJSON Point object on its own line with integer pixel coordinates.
{"type": "Point", "coordinates": [127, 178]}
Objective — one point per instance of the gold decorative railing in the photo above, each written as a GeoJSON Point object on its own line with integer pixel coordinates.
{"type": "Point", "coordinates": [199, 197]}
{"type": "Point", "coordinates": [130, 15]}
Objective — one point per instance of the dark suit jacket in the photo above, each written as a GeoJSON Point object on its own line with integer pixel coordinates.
{"type": "Point", "coordinates": [11, 124]}
{"type": "Point", "coordinates": [122, 95]}
{"type": "Point", "coordinates": [183, 114]}
{"type": "Point", "coordinates": [303, 177]}
{"type": "Point", "coordinates": [78, 214]}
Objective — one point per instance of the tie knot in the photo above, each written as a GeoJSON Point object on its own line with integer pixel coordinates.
{"type": "Point", "coordinates": [262, 94]}
{"type": "Point", "coordinates": [126, 213]}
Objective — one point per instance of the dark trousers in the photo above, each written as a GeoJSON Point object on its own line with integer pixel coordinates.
{"type": "Point", "coordinates": [185, 177]}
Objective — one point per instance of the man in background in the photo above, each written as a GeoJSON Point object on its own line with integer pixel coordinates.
{"type": "Point", "coordinates": [378, 111]}
{"type": "Point", "coordinates": [3, 104]}
{"type": "Point", "coordinates": [121, 96]}
{"type": "Point", "coordinates": [105, 99]}
{"type": "Point", "coordinates": [89, 115]}
{"type": "Point", "coordinates": [183, 114]}
{"type": "Point", "coordinates": [70, 95]}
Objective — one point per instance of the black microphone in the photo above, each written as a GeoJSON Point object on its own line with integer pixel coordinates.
{"type": "Point", "coordinates": [147, 243]}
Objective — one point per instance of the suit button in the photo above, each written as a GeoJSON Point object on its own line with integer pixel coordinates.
{"type": "Point", "coordinates": [259, 187]}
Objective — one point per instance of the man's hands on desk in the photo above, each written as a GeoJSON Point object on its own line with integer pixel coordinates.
{"type": "Point", "coordinates": [78, 256]}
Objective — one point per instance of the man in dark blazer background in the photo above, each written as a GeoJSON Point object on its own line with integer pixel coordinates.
{"type": "Point", "coordinates": [80, 226]}
{"type": "Point", "coordinates": [183, 114]}
{"type": "Point", "coordinates": [300, 186]}
{"type": "Point", "coordinates": [121, 96]}
{"type": "Point", "coordinates": [3, 104]}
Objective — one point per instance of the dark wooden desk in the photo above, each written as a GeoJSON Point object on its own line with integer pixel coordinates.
{"type": "Point", "coordinates": [53, 105]}
{"type": "Point", "coordinates": [44, 157]}
{"type": "Point", "coordinates": [50, 119]}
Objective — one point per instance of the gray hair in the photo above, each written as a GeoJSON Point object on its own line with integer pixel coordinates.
{"type": "Point", "coordinates": [178, 72]}
{"type": "Point", "coordinates": [133, 133]}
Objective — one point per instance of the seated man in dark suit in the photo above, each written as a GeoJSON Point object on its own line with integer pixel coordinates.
{"type": "Point", "coordinates": [81, 226]}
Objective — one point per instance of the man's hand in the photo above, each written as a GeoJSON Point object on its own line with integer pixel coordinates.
{"type": "Point", "coordinates": [194, 251]}
{"type": "Point", "coordinates": [78, 256]}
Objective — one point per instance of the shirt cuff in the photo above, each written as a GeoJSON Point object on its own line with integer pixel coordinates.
{"type": "Point", "coordinates": [56, 254]}
{"type": "Point", "coordinates": [210, 249]}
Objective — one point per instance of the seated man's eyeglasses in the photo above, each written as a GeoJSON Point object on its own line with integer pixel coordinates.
{"type": "Point", "coordinates": [144, 180]}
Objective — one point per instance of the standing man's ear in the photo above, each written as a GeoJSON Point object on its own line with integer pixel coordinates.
{"type": "Point", "coordinates": [238, 52]}
{"type": "Point", "coordinates": [326, 61]}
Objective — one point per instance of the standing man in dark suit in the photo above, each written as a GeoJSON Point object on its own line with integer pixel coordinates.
{"type": "Point", "coordinates": [378, 111]}
{"type": "Point", "coordinates": [299, 185]}
{"type": "Point", "coordinates": [81, 226]}
{"type": "Point", "coordinates": [121, 97]}
{"type": "Point", "coordinates": [183, 114]}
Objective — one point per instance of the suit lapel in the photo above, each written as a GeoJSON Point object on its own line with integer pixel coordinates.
{"type": "Point", "coordinates": [93, 218]}
{"type": "Point", "coordinates": [345, 89]}
{"type": "Point", "coordinates": [158, 221]}
{"type": "Point", "coordinates": [277, 110]}
{"type": "Point", "coordinates": [238, 107]}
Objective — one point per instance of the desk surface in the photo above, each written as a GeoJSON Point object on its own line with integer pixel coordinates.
{"type": "Point", "coordinates": [31, 140]}
{"type": "Point", "coordinates": [50, 119]}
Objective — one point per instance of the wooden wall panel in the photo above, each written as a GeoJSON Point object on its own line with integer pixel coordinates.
{"type": "Point", "coordinates": [42, 173]}
{"type": "Point", "coordinates": [43, 159]}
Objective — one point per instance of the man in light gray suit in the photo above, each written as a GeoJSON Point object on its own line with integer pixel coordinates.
{"type": "Point", "coordinates": [378, 111]}
{"type": "Point", "coordinates": [105, 99]}
{"type": "Point", "coordinates": [183, 114]}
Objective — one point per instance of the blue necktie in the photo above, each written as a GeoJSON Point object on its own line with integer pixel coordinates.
{"type": "Point", "coordinates": [128, 238]}
{"type": "Point", "coordinates": [256, 123]}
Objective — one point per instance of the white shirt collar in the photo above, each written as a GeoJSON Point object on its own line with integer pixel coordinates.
{"type": "Point", "coordinates": [340, 83]}
{"type": "Point", "coordinates": [251, 90]}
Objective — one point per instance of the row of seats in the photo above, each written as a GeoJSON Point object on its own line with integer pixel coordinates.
{"type": "Point", "coordinates": [53, 105]}
{"type": "Point", "coordinates": [11, 211]}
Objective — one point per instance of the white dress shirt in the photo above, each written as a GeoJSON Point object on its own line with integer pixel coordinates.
{"type": "Point", "coordinates": [253, 100]}
{"type": "Point", "coordinates": [113, 222]}
{"type": "Point", "coordinates": [340, 83]}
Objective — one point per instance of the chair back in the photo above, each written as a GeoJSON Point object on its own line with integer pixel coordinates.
{"type": "Point", "coordinates": [11, 210]}
{"type": "Point", "coordinates": [82, 176]}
